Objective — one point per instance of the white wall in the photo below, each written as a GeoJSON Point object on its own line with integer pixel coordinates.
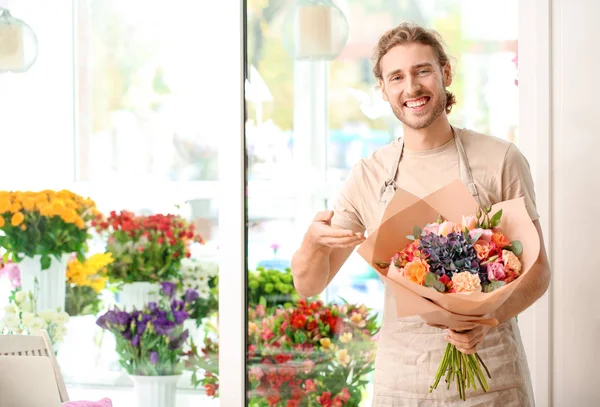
{"type": "Point", "coordinates": [559, 56]}
{"type": "Point", "coordinates": [575, 201]}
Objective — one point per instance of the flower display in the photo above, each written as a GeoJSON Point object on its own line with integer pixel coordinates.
{"type": "Point", "coordinates": [310, 354]}
{"type": "Point", "coordinates": [150, 341]}
{"type": "Point", "coordinates": [85, 281]}
{"type": "Point", "coordinates": [146, 248]}
{"type": "Point", "coordinates": [46, 223]}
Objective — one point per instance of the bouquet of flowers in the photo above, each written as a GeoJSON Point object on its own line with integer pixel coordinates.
{"type": "Point", "coordinates": [85, 281]}
{"type": "Point", "coordinates": [150, 342]}
{"type": "Point", "coordinates": [307, 355]}
{"type": "Point", "coordinates": [201, 277]}
{"type": "Point", "coordinates": [21, 317]}
{"type": "Point", "coordinates": [146, 248]}
{"type": "Point", "coordinates": [46, 223]}
{"type": "Point", "coordinates": [453, 273]}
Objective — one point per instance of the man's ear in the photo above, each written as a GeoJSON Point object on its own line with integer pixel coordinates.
{"type": "Point", "coordinates": [383, 93]}
{"type": "Point", "coordinates": [447, 70]}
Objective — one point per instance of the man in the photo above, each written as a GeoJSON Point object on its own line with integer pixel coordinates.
{"type": "Point", "coordinates": [413, 70]}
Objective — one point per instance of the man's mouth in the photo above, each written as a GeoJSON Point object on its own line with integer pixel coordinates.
{"type": "Point", "coordinates": [417, 103]}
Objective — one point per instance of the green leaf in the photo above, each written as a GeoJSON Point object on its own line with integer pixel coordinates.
{"type": "Point", "coordinates": [440, 219]}
{"type": "Point", "coordinates": [417, 232]}
{"type": "Point", "coordinates": [431, 279]}
{"type": "Point", "coordinates": [495, 221]}
{"type": "Point", "coordinates": [516, 247]}
{"type": "Point", "coordinates": [46, 261]}
{"type": "Point", "coordinates": [439, 286]}
{"type": "Point", "coordinates": [494, 285]}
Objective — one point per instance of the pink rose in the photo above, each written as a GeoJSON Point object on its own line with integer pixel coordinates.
{"type": "Point", "coordinates": [486, 235]}
{"type": "Point", "coordinates": [255, 374]}
{"type": "Point", "coordinates": [469, 222]}
{"type": "Point", "coordinates": [496, 271]}
{"type": "Point", "coordinates": [431, 228]}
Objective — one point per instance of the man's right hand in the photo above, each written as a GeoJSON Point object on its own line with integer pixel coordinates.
{"type": "Point", "coordinates": [323, 236]}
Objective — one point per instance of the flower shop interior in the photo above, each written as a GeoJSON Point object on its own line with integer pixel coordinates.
{"type": "Point", "coordinates": [164, 159]}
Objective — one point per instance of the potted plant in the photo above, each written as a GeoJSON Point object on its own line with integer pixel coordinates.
{"type": "Point", "coordinates": [147, 250]}
{"type": "Point", "coordinates": [40, 230]}
{"type": "Point", "coordinates": [150, 343]}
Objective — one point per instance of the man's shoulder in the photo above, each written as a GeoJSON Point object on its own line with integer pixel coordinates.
{"type": "Point", "coordinates": [379, 161]}
{"type": "Point", "coordinates": [485, 147]}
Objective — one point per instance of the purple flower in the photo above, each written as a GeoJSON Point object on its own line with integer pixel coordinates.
{"type": "Point", "coordinates": [168, 289]}
{"type": "Point", "coordinates": [141, 328]}
{"type": "Point", "coordinates": [136, 341]}
{"type": "Point", "coordinates": [180, 316]}
{"type": "Point", "coordinates": [176, 343]}
{"type": "Point", "coordinates": [163, 326]}
{"type": "Point", "coordinates": [154, 357]}
{"type": "Point", "coordinates": [152, 306]}
{"type": "Point", "coordinates": [123, 318]}
{"type": "Point", "coordinates": [177, 305]}
{"type": "Point", "coordinates": [191, 296]}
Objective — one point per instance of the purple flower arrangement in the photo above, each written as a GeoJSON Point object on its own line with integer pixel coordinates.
{"type": "Point", "coordinates": [150, 341]}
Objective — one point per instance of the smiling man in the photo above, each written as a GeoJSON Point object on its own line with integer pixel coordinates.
{"type": "Point", "coordinates": [414, 73]}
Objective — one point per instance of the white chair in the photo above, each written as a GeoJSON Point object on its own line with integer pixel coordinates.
{"type": "Point", "coordinates": [29, 373]}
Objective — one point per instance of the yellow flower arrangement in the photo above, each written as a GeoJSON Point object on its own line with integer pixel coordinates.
{"type": "Point", "coordinates": [46, 223]}
{"type": "Point", "coordinates": [85, 281]}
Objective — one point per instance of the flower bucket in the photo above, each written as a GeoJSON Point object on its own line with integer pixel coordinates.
{"type": "Point", "coordinates": [51, 282]}
{"type": "Point", "coordinates": [136, 295]}
{"type": "Point", "coordinates": [80, 348]}
{"type": "Point", "coordinates": [155, 391]}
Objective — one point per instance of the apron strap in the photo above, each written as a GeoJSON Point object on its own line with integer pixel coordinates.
{"type": "Point", "coordinates": [389, 187]}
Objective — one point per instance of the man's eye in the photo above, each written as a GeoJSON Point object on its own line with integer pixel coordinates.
{"type": "Point", "coordinates": [395, 78]}
{"type": "Point", "coordinates": [423, 71]}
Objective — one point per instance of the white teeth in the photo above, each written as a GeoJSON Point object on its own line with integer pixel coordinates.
{"type": "Point", "coordinates": [416, 103]}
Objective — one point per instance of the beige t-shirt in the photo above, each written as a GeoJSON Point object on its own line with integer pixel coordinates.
{"type": "Point", "coordinates": [499, 170]}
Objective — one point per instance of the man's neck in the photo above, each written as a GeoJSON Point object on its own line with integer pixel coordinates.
{"type": "Point", "coordinates": [436, 135]}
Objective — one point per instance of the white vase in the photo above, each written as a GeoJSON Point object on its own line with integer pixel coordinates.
{"type": "Point", "coordinates": [138, 294]}
{"type": "Point", "coordinates": [79, 353]}
{"type": "Point", "coordinates": [51, 282]}
{"type": "Point", "coordinates": [155, 391]}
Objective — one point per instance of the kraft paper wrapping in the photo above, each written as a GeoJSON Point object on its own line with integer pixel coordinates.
{"type": "Point", "coordinates": [451, 202]}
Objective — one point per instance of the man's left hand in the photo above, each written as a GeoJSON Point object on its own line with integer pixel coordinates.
{"type": "Point", "coordinates": [467, 342]}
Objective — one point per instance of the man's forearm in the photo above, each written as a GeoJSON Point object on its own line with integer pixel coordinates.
{"type": "Point", "coordinates": [534, 285]}
{"type": "Point", "coordinates": [310, 268]}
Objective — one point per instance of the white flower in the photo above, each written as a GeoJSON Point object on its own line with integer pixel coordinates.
{"type": "Point", "coordinates": [20, 296]}
{"type": "Point", "coordinates": [10, 309]}
{"type": "Point", "coordinates": [36, 325]}
{"type": "Point", "coordinates": [48, 316]}
{"type": "Point", "coordinates": [204, 294]}
{"type": "Point", "coordinates": [62, 318]}
{"type": "Point", "coordinates": [59, 333]}
{"type": "Point", "coordinates": [26, 306]}
{"type": "Point", "coordinates": [10, 322]}
{"type": "Point", "coordinates": [26, 317]}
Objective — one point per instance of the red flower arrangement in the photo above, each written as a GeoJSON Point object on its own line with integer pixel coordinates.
{"type": "Point", "coordinates": [307, 355]}
{"type": "Point", "coordinates": [146, 248]}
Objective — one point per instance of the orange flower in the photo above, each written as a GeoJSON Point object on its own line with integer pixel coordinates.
{"type": "Point", "coordinates": [17, 219]}
{"type": "Point", "coordinates": [482, 248]}
{"type": "Point", "coordinates": [2, 223]}
{"type": "Point", "coordinates": [500, 240]}
{"type": "Point", "coordinates": [416, 270]}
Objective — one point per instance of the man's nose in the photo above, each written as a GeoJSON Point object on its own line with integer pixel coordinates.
{"type": "Point", "coordinates": [413, 86]}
